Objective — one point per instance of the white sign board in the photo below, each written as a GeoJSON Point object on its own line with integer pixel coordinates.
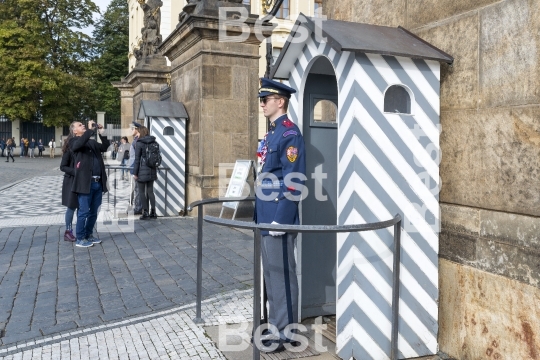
{"type": "Point", "coordinates": [238, 182]}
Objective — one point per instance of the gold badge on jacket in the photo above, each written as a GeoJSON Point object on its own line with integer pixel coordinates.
{"type": "Point", "coordinates": [292, 153]}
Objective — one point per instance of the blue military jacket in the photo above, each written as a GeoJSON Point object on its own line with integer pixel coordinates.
{"type": "Point", "coordinates": [282, 175]}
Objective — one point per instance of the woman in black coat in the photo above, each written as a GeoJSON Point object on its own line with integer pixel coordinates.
{"type": "Point", "coordinates": [69, 198]}
{"type": "Point", "coordinates": [145, 175]}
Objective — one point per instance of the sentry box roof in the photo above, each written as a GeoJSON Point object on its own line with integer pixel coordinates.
{"type": "Point", "coordinates": [354, 37]}
{"type": "Point", "coordinates": [170, 109]}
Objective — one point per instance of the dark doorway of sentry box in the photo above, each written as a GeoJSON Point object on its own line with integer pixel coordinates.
{"type": "Point", "coordinates": [320, 130]}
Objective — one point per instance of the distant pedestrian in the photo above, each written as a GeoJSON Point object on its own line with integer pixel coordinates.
{"type": "Point", "coordinates": [145, 175]}
{"type": "Point", "coordinates": [69, 198]}
{"type": "Point", "coordinates": [41, 147]}
{"type": "Point", "coordinates": [10, 145]}
{"type": "Point", "coordinates": [13, 145]}
{"type": "Point", "coordinates": [31, 148]}
{"type": "Point", "coordinates": [90, 180]}
{"type": "Point", "coordinates": [123, 153]}
{"type": "Point", "coordinates": [52, 146]}
{"type": "Point", "coordinates": [26, 144]}
{"type": "Point", "coordinates": [22, 147]}
{"type": "Point", "coordinates": [2, 146]}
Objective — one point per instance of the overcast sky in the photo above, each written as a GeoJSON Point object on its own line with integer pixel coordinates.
{"type": "Point", "coordinates": [102, 6]}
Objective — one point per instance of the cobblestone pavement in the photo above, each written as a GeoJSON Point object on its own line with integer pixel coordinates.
{"type": "Point", "coordinates": [24, 168]}
{"type": "Point", "coordinates": [169, 334]}
{"type": "Point", "coordinates": [48, 285]}
{"type": "Point", "coordinates": [132, 294]}
{"type": "Point", "coordinates": [37, 200]}
{"type": "Point", "coordinates": [37, 196]}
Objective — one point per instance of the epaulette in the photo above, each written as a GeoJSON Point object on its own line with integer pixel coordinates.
{"type": "Point", "coordinates": [288, 123]}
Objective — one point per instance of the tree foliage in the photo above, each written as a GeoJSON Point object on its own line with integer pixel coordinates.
{"type": "Point", "coordinates": [43, 60]}
{"type": "Point", "coordinates": [110, 55]}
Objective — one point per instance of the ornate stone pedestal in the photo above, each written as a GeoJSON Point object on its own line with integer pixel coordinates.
{"type": "Point", "coordinates": [143, 83]}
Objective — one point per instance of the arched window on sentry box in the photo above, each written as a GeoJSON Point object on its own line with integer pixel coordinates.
{"type": "Point", "coordinates": [397, 100]}
{"type": "Point", "coordinates": [169, 130]}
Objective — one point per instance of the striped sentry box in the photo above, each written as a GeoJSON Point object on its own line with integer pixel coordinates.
{"type": "Point", "coordinates": [385, 166]}
{"type": "Point", "coordinates": [173, 152]}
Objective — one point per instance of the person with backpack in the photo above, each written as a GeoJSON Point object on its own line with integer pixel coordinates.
{"type": "Point", "coordinates": [147, 160]}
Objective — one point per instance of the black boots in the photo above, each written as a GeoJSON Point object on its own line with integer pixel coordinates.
{"type": "Point", "coordinates": [146, 216]}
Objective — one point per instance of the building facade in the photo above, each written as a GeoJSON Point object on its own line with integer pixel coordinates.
{"type": "Point", "coordinates": [489, 278]}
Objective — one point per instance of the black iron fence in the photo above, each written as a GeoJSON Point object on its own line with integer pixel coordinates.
{"type": "Point", "coordinates": [257, 228]}
{"type": "Point", "coordinates": [113, 124]}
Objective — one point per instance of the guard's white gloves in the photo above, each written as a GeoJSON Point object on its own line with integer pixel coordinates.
{"type": "Point", "coordinates": [276, 233]}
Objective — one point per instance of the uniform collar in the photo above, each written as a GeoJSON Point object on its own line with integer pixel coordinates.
{"type": "Point", "coordinates": [279, 120]}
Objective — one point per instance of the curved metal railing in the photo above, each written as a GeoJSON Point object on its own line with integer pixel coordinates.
{"type": "Point", "coordinates": [127, 168]}
{"type": "Point", "coordinates": [395, 222]}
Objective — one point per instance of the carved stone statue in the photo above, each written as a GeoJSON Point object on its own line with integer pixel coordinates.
{"type": "Point", "coordinates": [205, 7]}
{"type": "Point", "coordinates": [151, 37]}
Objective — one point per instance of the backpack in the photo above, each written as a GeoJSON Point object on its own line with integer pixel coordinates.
{"type": "Point", "coordinates": [153, 156]}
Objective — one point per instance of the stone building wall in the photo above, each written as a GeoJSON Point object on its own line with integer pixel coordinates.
{"type": "Point", "coordinates": [490, 143]}
{"type": "Point", "coordinates": [217, 83]}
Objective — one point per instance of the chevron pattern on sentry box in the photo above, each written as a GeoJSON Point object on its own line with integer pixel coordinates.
{"type": "Point", "coordinates": [173, 152]}
{"type": "Point", "coordinates": [385, 167]}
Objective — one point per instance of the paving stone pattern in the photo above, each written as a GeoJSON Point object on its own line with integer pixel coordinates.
{"type": "Point", "coordinates": [49, 286]}
{"type": "Point", "coordinates": [41, 195]}
{"type": "Point", "coordinates": [167, 334]}
{"type": "Point", "coordinates": [24, 168]}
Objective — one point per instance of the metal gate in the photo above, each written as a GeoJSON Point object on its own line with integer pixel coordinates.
{"type": "Point", "coordinates": [5, 128]}
{"type": "Point", "coordinates": [113, 124]}
{"type": "Point", "coordinates": [36, 130]}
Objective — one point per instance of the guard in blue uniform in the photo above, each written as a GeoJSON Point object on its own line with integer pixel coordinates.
{"type": "Point", "coordinates": [278, 188]}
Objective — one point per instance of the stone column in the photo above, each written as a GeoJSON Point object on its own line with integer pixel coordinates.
{"type": "Point", "coordinates": [100, 117]}
{"type": "Point", "coordinates": [218, 83]}
{"type": "Point", "coordinates": [126, 106]}
{"type": "Point", "coordinates": [143, 83]}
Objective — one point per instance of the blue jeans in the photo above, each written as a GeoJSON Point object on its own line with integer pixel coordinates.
{"type": "Point", "coordinates": [88, 209]}
{"type": "Point", "coordinates": [124, 163]}
{"type": "Point", "coordinates": [69, 218]}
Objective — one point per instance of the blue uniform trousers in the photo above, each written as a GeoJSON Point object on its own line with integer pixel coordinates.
{"type": "Point", "coordinates": [279, 270]}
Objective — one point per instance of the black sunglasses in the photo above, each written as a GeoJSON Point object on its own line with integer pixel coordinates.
{"type": "Point", "coordinates": [265, 99]}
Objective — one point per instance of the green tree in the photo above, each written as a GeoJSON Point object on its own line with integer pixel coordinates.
{"type": "Point", "coordinates": [111, 38]}
{"type": "Point", "coordinates": [42, 60]}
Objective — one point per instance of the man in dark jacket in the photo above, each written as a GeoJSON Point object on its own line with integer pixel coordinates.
{"type": "Point", "coordinates": [90, 180]}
